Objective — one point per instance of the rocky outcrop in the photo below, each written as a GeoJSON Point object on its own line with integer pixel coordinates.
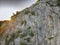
{"type": "Point", "coordinates": [36, 25]}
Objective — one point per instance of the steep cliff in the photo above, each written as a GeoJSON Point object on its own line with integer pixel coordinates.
{"type": "Point", "coordinates": [36, 25]}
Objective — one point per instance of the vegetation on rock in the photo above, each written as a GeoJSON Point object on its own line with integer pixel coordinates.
{"type": "Point", "coordinates": [23, 22]}
{"type": "Point", "coordinates": [22, 43]}
{"type": "Point", "coordinates": [23, 35]}
{"type": "Point", "coordinates": [58, 2]}
{"type": "Point", "coordinates": [27, 39]}
{"type": "Point", "coordinates": [31, 34]}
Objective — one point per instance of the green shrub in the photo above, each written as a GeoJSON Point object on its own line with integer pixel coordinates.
{"type": "Point", "coordinates": [33, 13]}
{"type": "Point", "coordinates": [17, 13]}
{"type": "Point", "coordinates": [31, 34]}
{"type": "Point", "coordinates": [12, 36]}
{"type": "Point", "coordinates": [58, 2]}
{"type": "Point", "coordinates": [38, 0]}
{"type": "Point", "coordinates": [29, 27]}
{"type": "Point", "coordinates": [28, 39]}
{"type": "Point", "coordinates": [22, 43]}
{"type": "Point", "coordinates": [27, 11]}
{"type": "Point", "coordinates": [6, 40]}
{"type": "Point", "coordinates": [22, 35]}
{"type": "Point", "coordinates": [19, 31]}
{"type": "Point", "coordinates": [23, 22]}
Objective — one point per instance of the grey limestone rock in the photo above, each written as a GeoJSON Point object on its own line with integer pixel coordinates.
{"type": "Point", "coordinates": [36, 25]}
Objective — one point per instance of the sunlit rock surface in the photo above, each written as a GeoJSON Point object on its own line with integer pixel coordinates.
{"type": "Point", "coordinates": [36, 25]}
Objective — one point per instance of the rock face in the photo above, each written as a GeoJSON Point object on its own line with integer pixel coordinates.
{"type": "Point", "coordinates": [36, 25]}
